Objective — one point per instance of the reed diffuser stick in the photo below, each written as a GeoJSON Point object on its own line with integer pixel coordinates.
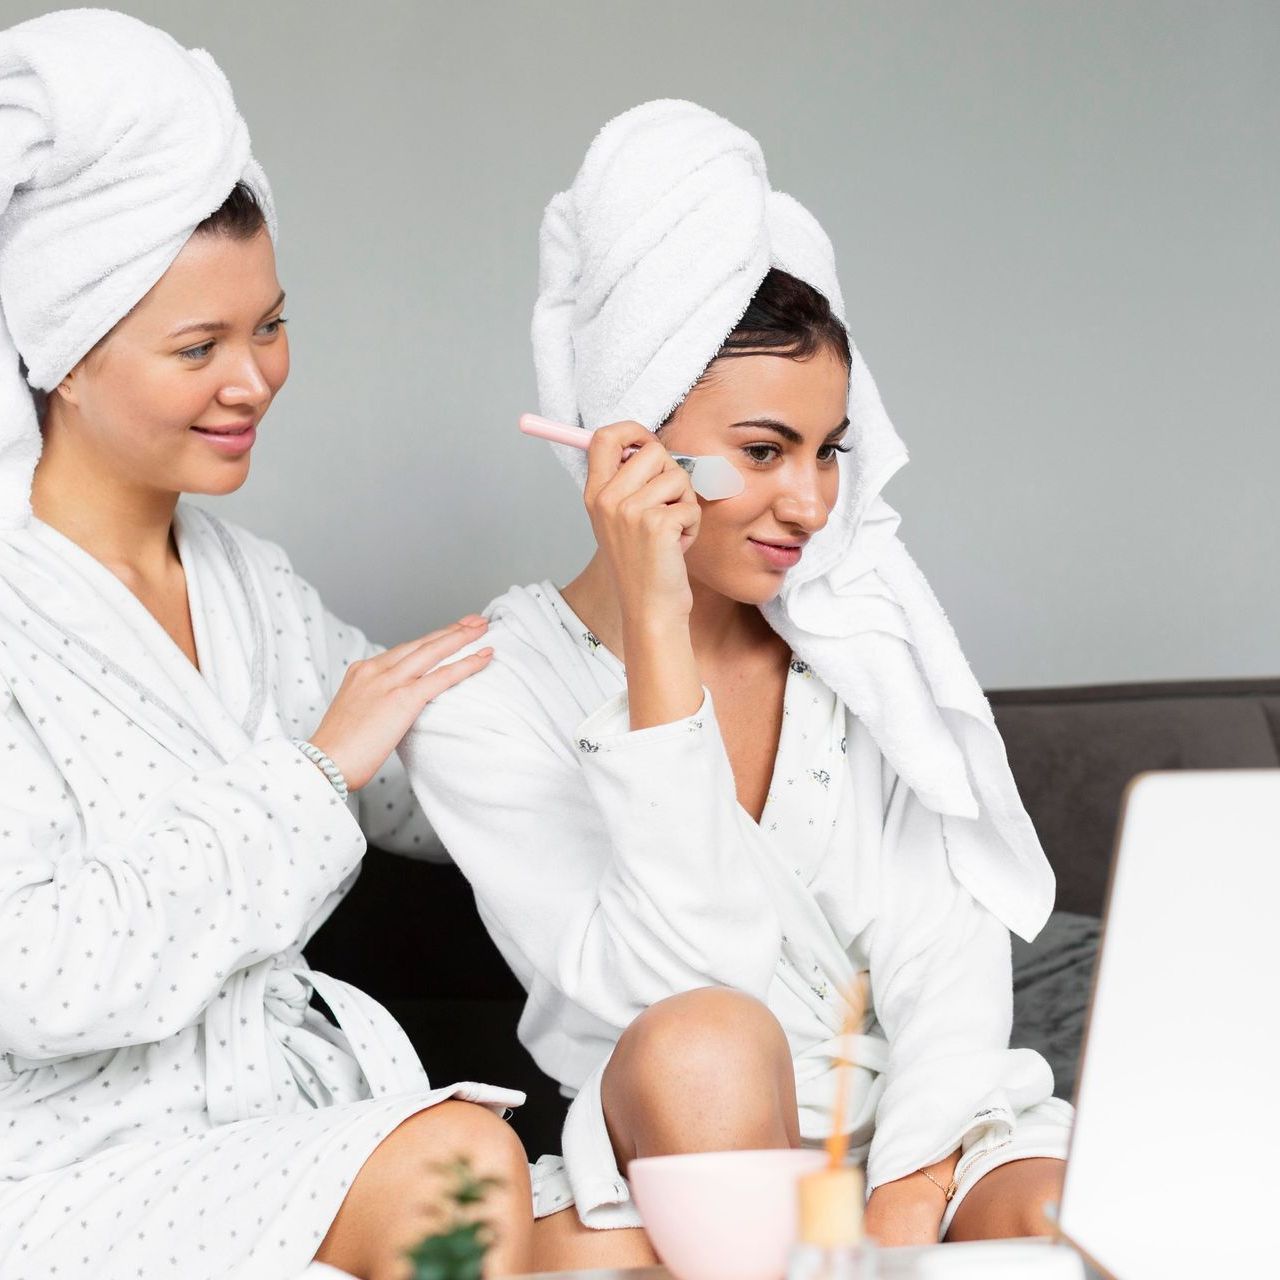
{"type": "Point", "coordinates": [831, 1199]}
{"type": "Point", "coordinates": [855, 1008]}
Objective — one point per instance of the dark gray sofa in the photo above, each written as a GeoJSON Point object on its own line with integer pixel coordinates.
{"type": "Point", "coordinates": [409, 934]}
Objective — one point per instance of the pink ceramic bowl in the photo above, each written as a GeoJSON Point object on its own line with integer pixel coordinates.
{"type": "Point", "coordinates": [722, 1215]}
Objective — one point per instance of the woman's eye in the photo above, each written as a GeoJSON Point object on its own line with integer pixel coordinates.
{"type": "Point", "coordinates": [828, 452]}
{"type": "Point", "coordinates": [272, 327]}
{"type": "Point", "coordinates": [197, 353]}
{"type": "Point", "coordinates": [761, 453]}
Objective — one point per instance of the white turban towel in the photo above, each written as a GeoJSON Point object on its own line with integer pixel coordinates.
{"type": "Point", "coordinates": [647, 263]}
{"type": "Point", "coordinates": [115, 143]}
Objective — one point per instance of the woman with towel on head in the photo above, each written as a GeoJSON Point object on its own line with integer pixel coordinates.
{"type": "Point", "coordinates": [192, 750]}
{"type": "Point", "coordinates": [794, 786]}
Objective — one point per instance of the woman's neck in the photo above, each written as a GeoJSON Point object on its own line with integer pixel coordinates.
{"type": "Point", "coordinates": [720, 629]}
{"type": "Point", "coordinates": [125, 526]}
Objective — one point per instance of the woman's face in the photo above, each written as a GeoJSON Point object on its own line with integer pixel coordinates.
{"type": "Point", "coordinates": [171, 398]}
{"type": "Point", "coordinates": [780, 421]}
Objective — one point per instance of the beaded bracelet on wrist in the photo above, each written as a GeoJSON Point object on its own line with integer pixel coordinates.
{"type": "Point", "coordinates": [325, 765]}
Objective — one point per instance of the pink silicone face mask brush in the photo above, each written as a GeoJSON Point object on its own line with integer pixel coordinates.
{"type": "Point", "coordinates": [712, 477]}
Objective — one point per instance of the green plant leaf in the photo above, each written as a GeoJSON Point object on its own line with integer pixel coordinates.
{"type": "Point", "coordinates": [457, 1252]}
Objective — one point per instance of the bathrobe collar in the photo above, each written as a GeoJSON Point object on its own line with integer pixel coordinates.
{"type": "Point", "coordinates": [72, 605]}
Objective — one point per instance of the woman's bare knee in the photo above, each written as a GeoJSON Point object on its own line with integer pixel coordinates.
{"type": "Point", "coordinates": [448, 1131]}
{"type": "Point", "coordinates": [699, 1034]}
{"type": "Point", "coordinates": [399, 1193]}
{"type": "Point", "coordinates": [704, 1070]}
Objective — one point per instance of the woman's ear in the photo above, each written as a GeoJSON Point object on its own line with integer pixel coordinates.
{"type": "Point", "coordinates": [69, 388]}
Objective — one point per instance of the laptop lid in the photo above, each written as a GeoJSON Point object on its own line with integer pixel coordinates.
{"type": "Point", "coordinates": [1174, 1167]}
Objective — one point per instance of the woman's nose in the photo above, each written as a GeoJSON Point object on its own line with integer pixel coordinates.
{"type": "Point", "coordinates": [246, 384]}
{"type": "Point", "coordinates": [801, 503]}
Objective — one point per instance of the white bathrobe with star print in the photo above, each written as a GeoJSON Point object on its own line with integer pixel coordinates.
{"type": "Point", "coordinates": [170, 1104]}
{"type": "Point", "coordinates": [615, 868]}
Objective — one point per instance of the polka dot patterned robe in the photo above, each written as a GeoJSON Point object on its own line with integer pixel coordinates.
{"type": "Point", "coordinates": [170, 1104]}
{"type": "Point", "coordinates": [615, 867]}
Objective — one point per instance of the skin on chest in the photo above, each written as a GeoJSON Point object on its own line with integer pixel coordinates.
{"type": "Point", "coordinates": [749, 699]}
{"type": "Point", "coordinates": [168, 603]}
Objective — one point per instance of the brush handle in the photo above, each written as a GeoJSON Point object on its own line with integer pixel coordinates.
{"type": "Point", "coordinates": [712, 477]}
{"type": "Point", "coordinates": [576, 437]}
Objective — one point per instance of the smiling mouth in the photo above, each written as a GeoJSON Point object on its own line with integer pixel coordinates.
{"type": "Point", "coordinates": [778, 555]}
{"type": "Point", "coordinates": [235, 429]}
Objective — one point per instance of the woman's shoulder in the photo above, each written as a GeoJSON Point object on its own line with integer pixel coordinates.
{"type": "Point", "coordinates": [534, 677]}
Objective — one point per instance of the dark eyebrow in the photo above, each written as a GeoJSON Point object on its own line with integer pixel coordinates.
{"type": "Point", "coordinates": [218, 326]}
{"type": "Point", "coordinates": [789, 434]}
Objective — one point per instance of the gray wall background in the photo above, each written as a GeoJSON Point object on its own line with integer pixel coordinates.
{"type": "Point", "coordinates": [1058, 225]}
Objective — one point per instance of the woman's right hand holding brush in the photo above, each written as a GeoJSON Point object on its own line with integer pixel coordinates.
{"type": "Point", "coordinates": [645, 515]}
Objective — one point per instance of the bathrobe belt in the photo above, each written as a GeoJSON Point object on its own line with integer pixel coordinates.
{"type": "Point", "coordinates": [817, 1061]}
{"type": "Point", "coordinates": [255, 1040]}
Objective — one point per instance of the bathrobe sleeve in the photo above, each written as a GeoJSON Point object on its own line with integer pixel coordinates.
{"type": "Point", "coordinates": [639, 887]}
{"type": "Point", "coordinates": [389, 814]}
{"type": "Point", "coordinates": [127, 940]}
{"type": "Point", "coordinates": [940, 967]}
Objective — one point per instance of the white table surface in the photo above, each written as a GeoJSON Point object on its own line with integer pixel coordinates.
{"type": "Point", "coordinates": [998, 1257]}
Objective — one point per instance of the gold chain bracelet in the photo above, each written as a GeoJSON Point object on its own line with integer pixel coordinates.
{"type": "Point", "coordinates": [949, 1190]}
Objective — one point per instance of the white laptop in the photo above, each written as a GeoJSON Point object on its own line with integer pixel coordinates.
{"type": "Point", "coordinates": [1174, 1167]}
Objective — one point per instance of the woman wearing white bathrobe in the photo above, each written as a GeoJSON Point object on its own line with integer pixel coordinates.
{"type": "Point", "coordinates": [794, 779]}
{"type": "Point", "coordinates": [170, 1105]}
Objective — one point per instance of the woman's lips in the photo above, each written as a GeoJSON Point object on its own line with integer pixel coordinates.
{"type": "Point", "coordinates": [230, 438]}
{"type": "Point", "coordinates": [779, 555]}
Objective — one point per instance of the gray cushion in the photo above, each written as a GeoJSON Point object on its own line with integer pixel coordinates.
{"type": "Point", "coordinates": [1073, 751]}
{"type": "Point", "coordinates": [1052, 981]}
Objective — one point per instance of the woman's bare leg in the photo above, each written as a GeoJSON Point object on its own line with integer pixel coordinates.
{"type": "Point", "coordinates": [1010, 1201]}
{"type": "Point", "coordinates": [562, 1243]}
{"type": "Point", "coordinates": [709, 1070]}
{"type": "Point", "coordinates": [397, 1196]}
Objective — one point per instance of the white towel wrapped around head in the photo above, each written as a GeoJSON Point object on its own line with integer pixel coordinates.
{"type": "Point", "coordinates": [647, 263]}
{"type": "Point", "coordinates": [115, 143]}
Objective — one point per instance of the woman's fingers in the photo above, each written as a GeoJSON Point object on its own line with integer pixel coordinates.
{"type": "Point", "coordinates": [457, 633]}
{"type": "Point", "coordinates": [433, 652]}
{"type": "Point", "coordinates": [690, 515]}
{"type": "Point", "coordinates": [681, 518]}
{"type": "Point", "coordinates": [666, 487]}
{"type": "Point", "coordinates": [375, 707]}
{"type": "Point", "coordinates": [608, 447]}
{"type": "Point", "coordinates": [379, 698]}
{"type": "Point", "coordinates": [448, 674]}
{"type": "Point", "coordinates": [639, 471]}
{"type": "Point", "coordinates": [612, 441]}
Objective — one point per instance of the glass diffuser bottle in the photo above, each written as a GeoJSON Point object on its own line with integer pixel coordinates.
{"type": "Point", "coordinates": [832, 1245]}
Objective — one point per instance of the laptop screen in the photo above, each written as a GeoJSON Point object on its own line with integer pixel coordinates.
{"type": "Point", "coordinates": [1174, 1167]}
